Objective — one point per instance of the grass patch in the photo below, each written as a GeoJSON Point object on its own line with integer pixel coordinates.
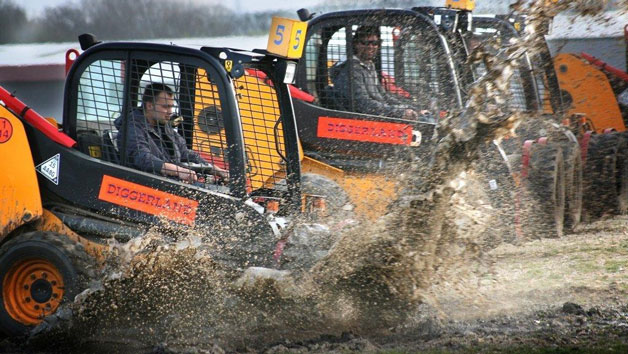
{"type": "Point", "coordinates": [614, 266]}
{"type": "Point", "coordinates": [550, 253]}
{"type": "Point", "coordinates": [585, 267]}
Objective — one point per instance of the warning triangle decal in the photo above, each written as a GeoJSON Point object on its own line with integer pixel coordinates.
{"type": "Point", "coordinates": [50, 168]}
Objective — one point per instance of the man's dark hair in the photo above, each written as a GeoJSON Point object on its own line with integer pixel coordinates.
{"type": "Point", "coordinates": [366, 31]}
{"type": "Point", "coordinates": [153, 90]}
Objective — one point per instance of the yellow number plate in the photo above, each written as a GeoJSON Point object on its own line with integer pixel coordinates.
{"type": "Point", "coordinates": [468, 5]}
{"type": "Point", "coordinates": [286, 37]}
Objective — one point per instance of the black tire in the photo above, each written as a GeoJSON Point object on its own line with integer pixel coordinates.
{"type": "Point", "coordinates": [544, 193]}
{"type": "Point", "coordinates": [605, 176]}
{"type": "Point", "coordinates": [573, 186]}
{"type": "Point", "coordinates": [622, 176]}
{"type": "Point", "coordinates": [24, 255]}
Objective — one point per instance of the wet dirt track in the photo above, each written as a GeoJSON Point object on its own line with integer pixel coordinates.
{"type": "Point", "coordinates": [551, 295]}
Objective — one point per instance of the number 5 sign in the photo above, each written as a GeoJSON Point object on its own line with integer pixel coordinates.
{"type": "Point", "coordinates": [286, 37]}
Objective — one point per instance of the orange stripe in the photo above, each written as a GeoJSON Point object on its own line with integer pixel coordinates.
{"type": "Point", "coordinates": [148, 200]}
{"type": "Point", "coordinates": [363, 130]}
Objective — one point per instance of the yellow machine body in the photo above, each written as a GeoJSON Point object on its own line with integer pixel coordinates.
{"type": "Point", "coordinates": [20, 200]}
{"type": "Point", "coordinates": [259, 112]}
{"type": "Point", "coordinates": [370, 193]}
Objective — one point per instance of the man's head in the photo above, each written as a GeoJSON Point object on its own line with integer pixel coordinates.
{"type": "Point", "coordinates": [158, 103]}
{"type": "Point", "coordinates": [366, 42]}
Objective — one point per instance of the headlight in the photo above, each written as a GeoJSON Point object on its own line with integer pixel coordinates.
{"type": "Point", "coordinates": [416, 138]}
{"type": "Point", "coordinates": [291, 69]}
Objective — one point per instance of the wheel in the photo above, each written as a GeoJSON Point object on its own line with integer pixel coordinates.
{"type": "Point", "coordinates": [310, 241]}
{"type": "Point", "coordinates": [622, 175]}
{"type": "Point", "coordinates": [573, 186]}
{"type": "Point", "coordinates": [39, 271]}
{"type": "Point", "coordinates": [544, 193]}
{"type": "Point", "coordinates": [606, 175]}
{"type": "Point", "coordinates": [335, 196]}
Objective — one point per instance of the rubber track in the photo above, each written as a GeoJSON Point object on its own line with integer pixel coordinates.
{"type": "Point", "coordinates": [605, 187]}
{"type": "Point", "coordinates": [573, 185]}
{"type": "Point", "coordinates": [545, 192]}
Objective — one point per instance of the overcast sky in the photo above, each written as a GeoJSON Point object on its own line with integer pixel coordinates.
{"type": "Point", "coordinates": [35, 7]}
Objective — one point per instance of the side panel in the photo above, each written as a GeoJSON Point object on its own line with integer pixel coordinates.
{"type": "Point", "coordinates": [259, 113]}
{"type": "Point", "coordinates": [589, 92]}
{"type": "Point", "coordinates": [370, 193]}
{"type": "Point", "coordinates": [20, 200]}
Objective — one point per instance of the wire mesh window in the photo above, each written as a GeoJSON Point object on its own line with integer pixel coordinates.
{"type": "Point", "coordinates": [99, 102]}
{"type": "Point", "coordinates": [392, 69]}
{"type": "Point", "coordinates": [310, 57]}
{"type": "Point", "coordinates": [173, 116]}
{"type": "Point", "coordinates": [209, 129]}
{"type": "Point", "coordinates": [262, 129]}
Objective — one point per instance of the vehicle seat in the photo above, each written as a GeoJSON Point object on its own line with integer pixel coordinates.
{"type": "Point", "coordinates": [110, 146]}
{"type": "Point", "coordinates": [89, 142]}
{"type": "Point", "coordinates": [332, 98]}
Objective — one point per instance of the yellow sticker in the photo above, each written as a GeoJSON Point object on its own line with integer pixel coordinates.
{"type": "Point", "coordinates": [94, 151]}
{"type": "Point", "coordinates": [228, 65]}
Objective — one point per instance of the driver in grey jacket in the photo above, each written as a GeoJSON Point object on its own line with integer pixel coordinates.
{"type": "Point", "coordinates": [369, 96]}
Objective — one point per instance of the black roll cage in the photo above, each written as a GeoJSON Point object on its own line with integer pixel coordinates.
{"type": "Point", "coordinates": [213, 61]}
{"type": "Point", "coordinates": [336, 20]}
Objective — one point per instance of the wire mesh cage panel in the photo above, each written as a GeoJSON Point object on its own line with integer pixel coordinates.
{"type": "Point", "coordinates": [524, 89]}
{"type": "Point", "coordinates": [100, 98]}
{"type": "Point", "coordinates": [262, 129]}
{"type": "Point", "coordinates": [144, 114]}
{"type": "Point", "coordinates": [208, 131]}
{"type": "Point", "coordinates": [424, 69]}
{"type": "Point", "coordinates": [171, 114]}
{"type": "Point", "coordinates": [384, 67]}
{"type": "Point", "coordinates": [515, 96]}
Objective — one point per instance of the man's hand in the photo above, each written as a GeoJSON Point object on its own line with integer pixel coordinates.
{"type": "Point", "coordinates": [412, 114]}
{"type": "Point", "coordinates": [223, 174]}
{"type": "Point", "coordinates": [186, 175]}
{"type": "Point", "coordinates": [182, 173]}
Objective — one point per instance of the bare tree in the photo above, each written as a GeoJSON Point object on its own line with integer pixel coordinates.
{"type": "Point", "coordinates": [60, 23]}
{"type": "Point", "coordinates": [13, 20]}
{"type": "Point", "coordinates": [123, 19]}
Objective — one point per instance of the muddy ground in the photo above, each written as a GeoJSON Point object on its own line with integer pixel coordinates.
{"type": "Point", "coordinates": [550, 295]}
{"type": "Point", "coordinates": [540, 296]}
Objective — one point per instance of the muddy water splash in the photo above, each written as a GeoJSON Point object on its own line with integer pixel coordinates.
{"type": "Point", "coordinates": [176, 296]}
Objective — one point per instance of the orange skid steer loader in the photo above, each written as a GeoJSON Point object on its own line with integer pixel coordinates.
{"type": "Point", "coordinates": [66, 189]}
